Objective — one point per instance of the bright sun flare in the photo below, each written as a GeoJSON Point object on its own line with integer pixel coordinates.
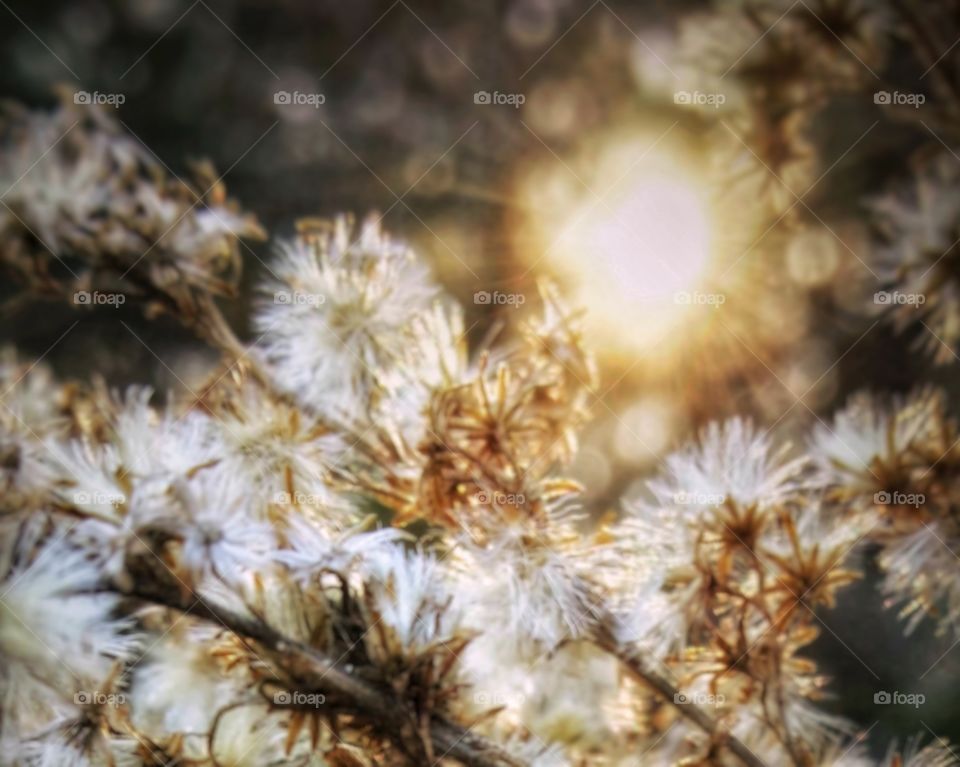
{"type": "Point", "coordinates": [633, 247]}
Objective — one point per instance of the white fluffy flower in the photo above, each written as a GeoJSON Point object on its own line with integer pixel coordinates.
{"type": "Point", "coordinates": [91, 478]}
{"type": "Point", "coordinates": [920, 571]}
{"type": "Point", "coordinates": [247, 736]}
{"type": "Point", "coordinates": [723, 488]}
{"type": "Point", "coordinates": [178, 687]}
{"type": "Point", "coordinates": [525, 598]}
{"type": "Point", "coordinates": [64, 749]}
{"type": "Point", "coordinates": [432, 355]}
{"type": "Point", "coordinates": [311, 547]}
{"type": "Point", "coordinates": [74, 181]}
{"type": "Point", "coordinates": [649, 617]}
{"type": "Point", "coordinates": [731, 462]}
{"type": "Point", "coordinates": [154, 440]}
{"type": "Point", "coordinates": [212, 514]}
{"type": "Point", "coordinates": [29, 420]}
{"type": "Point", "coordinates": [56, 627]}
{"type": "Point", "coordinates": [411, 595]}
{"type": "Point", "coordinates": [221, 534]}
{"type": "Point", "coordinates": [51, 192]}
{"type": "Point", "coordinates": [274, 449]}
{"type": "Point", "coordinates": [29, 395]}
{"type": "Point", "coordinates": [884, 457]}
{"type": "Point", "coordinates": [918, 264]}
{"type": "Point", "coordinates": [338, 318]}
{"type": "Point", "coordinates": [27, 472]}
{"type": "Point", "coordinates": [868, 435]}
{"type": "Point", "coordinates": [939, 754]}
{"type": "Point", "coordinates": [732, 465]}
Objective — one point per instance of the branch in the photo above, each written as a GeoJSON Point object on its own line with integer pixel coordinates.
{"type": "Point", "coordinates": [640, 668]}
{"type": "Point", "coordinates": [376, 706]}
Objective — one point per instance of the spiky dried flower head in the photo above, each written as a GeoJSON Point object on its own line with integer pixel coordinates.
{"type": "Point", "coordinates": [732, 555]}
{"type": "Point", "coordinates": [895, 461]}
{"type": "Point", "coordinates": [492, 440]}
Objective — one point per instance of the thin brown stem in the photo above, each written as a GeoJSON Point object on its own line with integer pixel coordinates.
{"type": "Point", "coordinates": [315, 671]}
{"type": "Point", "coordinates": [640, 668]}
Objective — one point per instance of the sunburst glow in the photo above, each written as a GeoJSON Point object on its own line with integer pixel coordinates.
{"type": "Point", "coordinates": [634, 242]}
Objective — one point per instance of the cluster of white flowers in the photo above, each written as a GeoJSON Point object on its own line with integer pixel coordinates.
{"type": "Point", "coordinates": [247, 500]}
{"type": "Point", "coordinates": [731, 553]}
{"type": "Point", "coordinates": [893, 464]}
{"type": "Point", "coordinates": [358, 547]}
{"type": "Point", "coordinates": [250, 503]}
{"type": "Point", "coordinates": [88, 211]}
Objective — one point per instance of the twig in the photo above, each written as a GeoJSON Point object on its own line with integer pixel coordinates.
{"type": "Point", "coordinates": [316, 671]}
{"type": "Point", "coordinates": [640, 668]}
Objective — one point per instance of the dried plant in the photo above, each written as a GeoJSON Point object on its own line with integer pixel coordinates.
{"type": "Point", "coordinates": [358, 543]}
